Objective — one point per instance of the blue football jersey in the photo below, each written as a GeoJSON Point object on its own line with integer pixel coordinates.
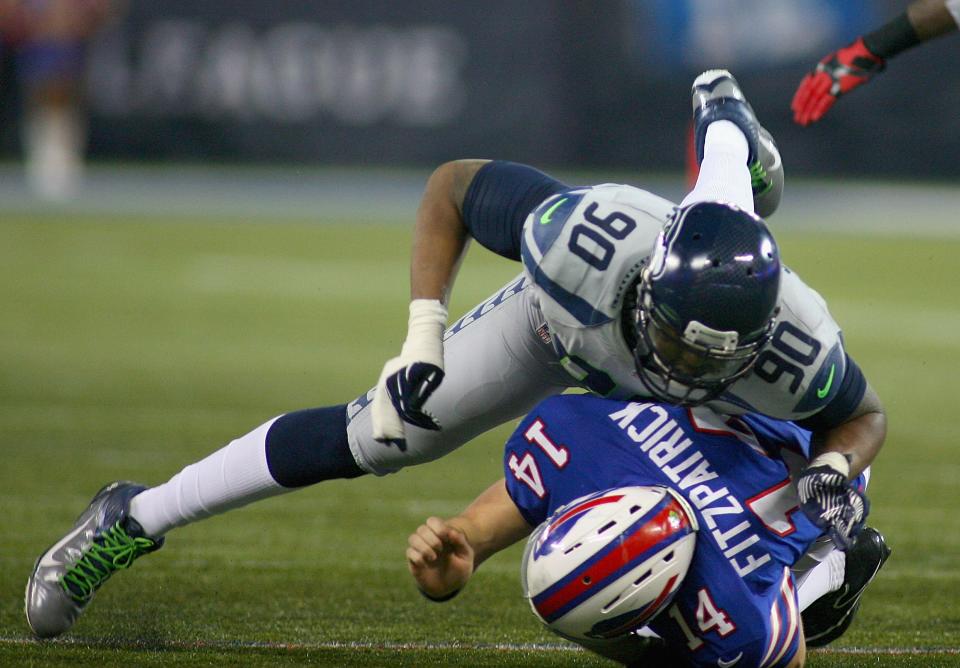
{"type": "Point", "coordinates": [738, 602]}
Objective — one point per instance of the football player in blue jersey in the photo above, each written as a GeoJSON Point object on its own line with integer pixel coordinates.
{"type": "Point", "coordinates": [679, 520]}
{"type": "Point", "coordinates": [623, 293]}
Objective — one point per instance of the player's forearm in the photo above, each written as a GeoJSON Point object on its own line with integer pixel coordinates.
{"type": "Point", "coordinates": [930, 18]}
{"type": "Point", "coordinates": [859, 438]}
{"type": "Point", "coordinates": [491, 523]}
{"type": "Point", "coordinates": [923, 20]}
{"type": "Point", "coordinates": [440, 236]}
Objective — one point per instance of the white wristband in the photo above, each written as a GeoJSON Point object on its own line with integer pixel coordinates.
{"type": "Point", "coordinates": [838, 462]}
{"type": "Point", "coordinates": [428, 318]}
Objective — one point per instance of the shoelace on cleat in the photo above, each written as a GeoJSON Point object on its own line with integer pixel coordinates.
{"type": "Point", "coordinates": [112, 551]}
{"type": "Point", "coordinates": [758, 179]}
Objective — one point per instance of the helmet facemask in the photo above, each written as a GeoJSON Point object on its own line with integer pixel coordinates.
{"type": "Point", "coordinates": [692, 366]}
{"type": "Point", "coordinates": [705, 303]}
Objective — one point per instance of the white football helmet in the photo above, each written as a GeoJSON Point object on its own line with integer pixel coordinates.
{"type": "Point", "coordinates": [607, 563]}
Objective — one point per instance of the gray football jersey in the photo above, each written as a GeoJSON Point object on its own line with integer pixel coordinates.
{"type": "Point", "coordinates": [583, 250]}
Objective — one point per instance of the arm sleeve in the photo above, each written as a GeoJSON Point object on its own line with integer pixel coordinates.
{"type": "Point", "coordinates": [852, 388]}
{"type": "Point", "coordinates": [498, 201]}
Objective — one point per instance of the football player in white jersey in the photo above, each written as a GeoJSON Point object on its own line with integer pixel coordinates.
{"type": "Point", "coordinates": [623, 293]}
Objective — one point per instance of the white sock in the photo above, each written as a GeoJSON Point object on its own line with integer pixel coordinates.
{"type": "Point", "coordinates": [724, 174]}
{"type": "Point", "coordinates": [825, 577]}
{"type": "Point", "coordinates": [54, 139]}
{"type": "Point", "coordinates": [231, 477]}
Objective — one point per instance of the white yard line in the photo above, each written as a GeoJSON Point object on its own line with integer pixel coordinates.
{"type": "Point", "coordinates": [416, 646]}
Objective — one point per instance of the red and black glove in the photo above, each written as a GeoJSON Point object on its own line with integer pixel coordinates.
{"type": "Point", "coordinates": [838, 73]}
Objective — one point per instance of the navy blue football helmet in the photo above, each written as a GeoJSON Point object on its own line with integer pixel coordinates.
{"type": "Point", "coordinates": [705, 303]}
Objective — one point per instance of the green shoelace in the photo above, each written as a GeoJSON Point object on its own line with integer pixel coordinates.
{"type": "Point", "coordinates": [758, 179]}
{"type": "Point", "coordinates": [114, 550]}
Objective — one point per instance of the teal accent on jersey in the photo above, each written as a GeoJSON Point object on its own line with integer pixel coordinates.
{"type": "Point", "coordinates": [827, 381]}
{"type": "Point", "coordinates": [578, 374]}
{"type": "Point", "coordinates": [588, 377]}
{"type": "Point", "coordinates": [557, 210]}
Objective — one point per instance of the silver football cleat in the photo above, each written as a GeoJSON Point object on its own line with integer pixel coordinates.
{"type": "Point", "coordinates": [104, 539]}
{"type": "Point", "coordinates": [766, 177]}
{"type": "Point", "coordinates": [716, 96]}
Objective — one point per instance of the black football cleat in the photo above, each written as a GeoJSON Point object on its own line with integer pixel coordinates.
{"type": "Point", "coordinates": [828, 618]}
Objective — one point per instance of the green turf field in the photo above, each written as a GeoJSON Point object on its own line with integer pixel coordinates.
{"type": "Point", "coordinates": [129, 348]}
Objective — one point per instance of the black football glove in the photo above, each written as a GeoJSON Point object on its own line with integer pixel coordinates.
{"type": "Point", "coordinates": [409, 388]}
{"type": "Point", "coordinates": [407, 381]}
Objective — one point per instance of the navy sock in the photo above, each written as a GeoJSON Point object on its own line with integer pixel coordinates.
{"type": "Point", "coordinates": [309, 446]}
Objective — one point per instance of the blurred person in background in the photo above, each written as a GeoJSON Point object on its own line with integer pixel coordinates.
{"type": "Point", "coordinates": [48, 39]}
{"type": "Point", "coordinates": [843, 70]}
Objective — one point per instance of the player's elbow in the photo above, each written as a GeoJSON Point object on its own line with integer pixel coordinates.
{"type": "Point", "coordinates": [870, 419]}
{"type": "Point", "coordinates": [452, 179]}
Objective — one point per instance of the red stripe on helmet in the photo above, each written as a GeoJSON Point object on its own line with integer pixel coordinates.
{"type": "Point", "coordinates": [584, 507]}
{"type": "Point", "coordinates": [646, 536]}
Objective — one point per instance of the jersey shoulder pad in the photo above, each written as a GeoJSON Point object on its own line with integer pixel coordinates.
{"type": "Point", "coordinates": [583, 246]}
{"type": "Point", "coordinates": [800, 369]}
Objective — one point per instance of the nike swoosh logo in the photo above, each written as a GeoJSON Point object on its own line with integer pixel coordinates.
{"type": "Point", "coordinates": [823, 391]}
{"type": "Point", "coordinates": [727, 664]}
{"type": "Point", "coordinates": [844, 600]}
{"type": "Point", "coordinates": [548, 214]}
{"type": "Point", "coordinates": [47, 561]}
{"type": "Point", "coordinates": [774, 152]}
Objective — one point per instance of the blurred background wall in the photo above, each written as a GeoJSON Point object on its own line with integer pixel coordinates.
{"type": "Point", "coordinates": [556, 83]}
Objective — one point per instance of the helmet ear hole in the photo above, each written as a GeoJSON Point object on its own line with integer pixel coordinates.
{"type": "Point", "coordinates": [606, 526]}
